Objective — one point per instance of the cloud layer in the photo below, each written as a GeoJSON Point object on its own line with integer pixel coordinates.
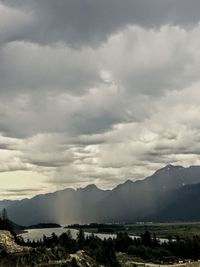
{"type": "Point", "coordinates": [96, 91]}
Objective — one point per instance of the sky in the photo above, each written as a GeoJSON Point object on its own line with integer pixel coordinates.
{"type": "Point", "coordinates": [96, 92]}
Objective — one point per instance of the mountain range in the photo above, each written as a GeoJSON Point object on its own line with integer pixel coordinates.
{"type": "Point", "coordinates": [170, 194]}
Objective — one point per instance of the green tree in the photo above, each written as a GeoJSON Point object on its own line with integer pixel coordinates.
{"type": "Point", "coordinates": [4, 214]}
{"type": "Point", "coordinates": [146, 239]}
{"type": "Point", "coordinates": [80, 238]}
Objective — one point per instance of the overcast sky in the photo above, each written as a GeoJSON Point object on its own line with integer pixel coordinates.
{"type": "Point", "coordinates": [96, 91]}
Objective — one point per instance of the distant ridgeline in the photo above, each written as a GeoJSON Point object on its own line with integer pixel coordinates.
{"type": "Point", "coordinates": [44, 225]}
{"type": "Point", "coordinates": [170, 194]}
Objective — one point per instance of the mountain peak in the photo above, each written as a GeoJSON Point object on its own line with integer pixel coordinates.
{"type": "Point", "coordinates": [128, 182]}
{"type": "Point", "coordinates": [169, 167]}
{"type": "Point", "coordinates": [129, 202]}
{"type": "Point", "coordinates": [91, 187]}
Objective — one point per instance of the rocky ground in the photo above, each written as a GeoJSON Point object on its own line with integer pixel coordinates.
{"type": "Point", "coordinates": [7, 243]}
{"type": "Point", "coordinates": [13, 255]}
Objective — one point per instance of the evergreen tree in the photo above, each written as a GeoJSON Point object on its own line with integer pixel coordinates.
{"type": "Point", "coordinates": [4, 214]}
{"type": "Point", "coordinates": [80, 238]}
{"type": "Point", "coordinates": [146, 239]}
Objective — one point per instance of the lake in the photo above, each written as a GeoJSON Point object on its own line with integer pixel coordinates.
{"type": "Point", "coordinates": [37, 234]}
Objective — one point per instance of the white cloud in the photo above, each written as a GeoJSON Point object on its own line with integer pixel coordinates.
{"type": "Point", "coordinates": [71, 115]}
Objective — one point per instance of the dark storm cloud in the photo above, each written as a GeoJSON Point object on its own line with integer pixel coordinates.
{"type": "Point", "coordinates": [25, 67]}
{"type": "Point", "coordinates": [23, 190]}
{"type": "Point", "coordinates": [5, 147]}
{"type": "Point", "coordinates": [89, 22]}
{"type": "Point", "coordinates": [96, 91]}
{"type": "Point", "coordinates": [19, 192]}
{"type": "Point", "coordinates": [12, 168]}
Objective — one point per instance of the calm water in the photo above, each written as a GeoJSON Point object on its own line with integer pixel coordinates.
{"type": "Point", "coordinates": [37, 234]}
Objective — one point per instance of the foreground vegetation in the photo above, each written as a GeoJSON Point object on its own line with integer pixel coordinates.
{"type": "Point", "coordinates": [147, 248]}
{"type": "Point", "coordinates": [112, 252]}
